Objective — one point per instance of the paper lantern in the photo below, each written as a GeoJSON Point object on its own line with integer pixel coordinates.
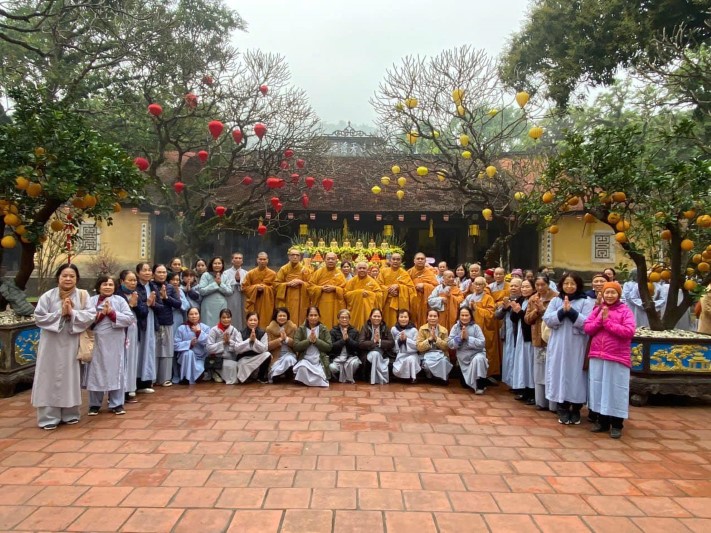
{"type": "Point", "coordinates": [288, 153]}
{"type": "Point", "coordinates": [395, 169]}
{"type": "Point", "coordinates": [422, 171]}
{"type": "Point", "coordinates": [142, 163]}
{"type": "Point", "coordinates": [457, 96]}
{"type": "Point", "coordinates": [400, 194]}
{"type": "Point", "coordinates": [178, 187]}
{"type": "Point", "coordinates": [284, 165]}
{"type": "Point", "coordinates": [441, 175]}
{"type": "Point", "coordinates": [435, 134]}
{"type": "Point", "coordinates": [327, 184]}
{"type": "Point", "coordinates": [445, 218]}
{"type": "Point", "coordinates": [215, 127]}
{"type": "Point", "coordinates": [312, 216]}
{"type": "Point", "coordinates": [300, 163]}
{"type": "Point", "coordinates": [304, 201]}
{"type": "Point", "coordinates": [203, 155]}
{"type": "Point", "coordinates": [295, 178]}
{"type": "Point", "coordinates": [237, 135]}
{"type": "Point", "coordinates": [260, 130]}
{"type": "Point", "coordinates": [385, 180]}
{"type": "Point", "coordinates": [272, 182]}
{"type": "Point", "coordinates": [473, 230]}
{"type": "Point", "coordinates": [334, 216]}
{"type": "Point", "coordinates": [411, 103]}
{"type": "Point", "coordinates": [247, 180]}
{"type": "Point", "coordinates": [208, 80]}
{"type": "Point", "coordinates": [356, 217]}
{"type": "Point", "coordinates": [375, 189]}
{"type": "Point", "coordinates": [278, 207]}
{"type": "Point", "coordinates": [467, 154]}
{"type": "Point", "coordinates": [461, 110]}
{"type": "Point", "coordinates": [155, 109]}
{"type": "Point", "coordinates": [263, 89]}
{"type": "Point", "coordinates": [522, 98]}
{"type": "Point", "coordinates": [274, 200]}
{"type": "Point", "coordinates": [535, 133]}
{"type": "Point", "coordinates": [310, 180]}
{"type": "Point", "coordinates": [191, 100]}
{"type": "Point", "coordinates": [423, 218]}
{"type": "Point", "coordinates": [378, 217]}
{"type": "Point", "coordinates": [402, 181]}
{"type": "Point", "coordinates": [491, 171]}
{"type": "Point", "coordinates": [280, 183]}
{"type": "Point", "coordinates": [412, 137]}
{"type": "Point", "coordinates": [261, 229]}
{"type": "Point", "coordinates": [493, 112]}
{"type": "Point", "coordinates": [464, 139]}
{"type": "Point", "coordinates": [220, 210]}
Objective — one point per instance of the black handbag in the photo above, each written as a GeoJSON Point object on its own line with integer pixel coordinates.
{"type": "Point", "coordinates": [213, 363]}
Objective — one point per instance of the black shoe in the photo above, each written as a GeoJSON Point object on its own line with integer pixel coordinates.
{"type": "Point", "coordinates": [616, 433]}
{"type": "Point", "coordinates": [49, 427]}
{"type": "Point", "coordinates": [540, 407]}
{"type": "Point", "coordinates": [520, 398]}
{"type": "Point", "coordinates": [93, 410]}
{"type": "Point", "coordinates": [599, 428]}
{"type": "Point", "coordinates": [563, 416]}
{"type": "Point", "coordinates": [118, 410]}
{"type": "Point", "coordinates": [531, 401]}
{"type": "Point", "coordinates": [574, 418]}
{"type": "Point", "coordinates": [593, 417]}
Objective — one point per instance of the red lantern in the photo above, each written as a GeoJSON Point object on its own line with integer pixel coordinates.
{"type": "Point", "coordinates": [272, 182]}
{"type": "Point", "coordinates": [237, 135]}
{"type": "Point", "coordinates": [284, 165]}
{"type": "Point", "coordinates": [300, 163]}
{"type": "Point", "coordinates": [247, 180]}
{"type": "Point", "coordinates": [141, 163]}
{"type": "Point", "coordinates": [274, 200]}
{"type": "Point", "coordinates": [191, 100]}
{"type": "Point", "coordinates": [327, 184]}
{"type": "Point", "coordinates": [288, 153]}
{"type": "Point", "coordinates": [155, 109]}
{"type": "Point", "coordinates": [203, 155]}
{"type": "Point", "coordinates": [220, 210]}
{"type": "Point", "coordinates": [207, 80]}
{"type": "Point", "coordinates": [215, 127]}
{"type": "Point", "coordinates": [295, 178]}
{"type": "Point", "coordinates": [261, 229]}
{"type": "Point", "coordinates": [260, 130]}
{"type": "Point", "coordinates": [178, 186]}
{"type": "Point", "coordinates": [280, 183]}
{"type": "Point", "coordinates": [263, 89]}
{"type": "Point", "coordinates": [278, 207]}
{"type": "Point", "coordinates": [310, 180]}
{"type": "Point", "coordinates": [304, 201]}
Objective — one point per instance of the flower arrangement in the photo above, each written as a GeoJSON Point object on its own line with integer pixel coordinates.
{"type": "Point", "coordinates": [348, 246]}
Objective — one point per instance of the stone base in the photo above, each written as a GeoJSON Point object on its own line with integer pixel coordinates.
{"type": "Point", "coordinates": [642, 386]}
{"type": "Point", "coordinates": [9, 382]}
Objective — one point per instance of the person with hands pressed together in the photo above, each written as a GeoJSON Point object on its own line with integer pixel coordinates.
{"type": "Point", "coordinates": [376, 345]}
{"type": "Point", "coordinates": [146, 366]}
{"type": "Point", "coordinates": [425, 280]}
{"type": "Point", "coordinates": [234, 276]}
{"type": "Point", "coordinates": [566, 379]}
{"type": "Point", "coordinates": [362, 294]}
{"type": "Point", "coordinates": [537, 305]}
{"type": "Point", "coordinates": [523, 360]}
{"type": "Point", "coordinates": [220, 345]}
{"type": "Point", "coordinates": [291, 286]}
{"type": "Point", "coordinates": [432, 343]}
{"type": "Point", "coordinates": [127, 290]}
{"type": "Point", "coordinates": [468, 340]}
{"type": "Point", "coordinates": [445, 299]}
{"type": "Point", "coordinates": [258, 288]}
{"type": "Point", "coordinates": [611, 326]}
{"type": "Point", "coordinates": [345, 349]}
{"type": "Point", "coordinates": [507, 308]}
{"type": "Point", "coordinates": [312, 341]}
{"type": "Point", "coordinates": [483, 307]}
{"type": "Point", "coordinates": [191, 346]}
{"type": "Point", "coordinates": [407, 359]}
{"type": "Point", "coordinates": [280, 334]}
{"type": "Point", "coordinates": [326, 290]}
{"type": "Point", "coordinates": [214, 289]}
{"type": "Point", "coordinates": [398, 288]}
{"type": "Point", "coordinates": [164, 302]}
{"type": "Point", "coordinates": [252, 349]}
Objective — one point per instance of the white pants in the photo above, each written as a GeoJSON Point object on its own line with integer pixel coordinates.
{"type": "Point", "coordinates": [55, 415]}
{"type": "Point", "coordinates": [379, 368]}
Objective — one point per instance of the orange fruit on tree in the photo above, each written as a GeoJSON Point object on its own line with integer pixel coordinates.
{"type": "Point", "coordinates": [690, 272]}
{"type": "Point", "coordinates": [659, 215]}
{"type": "Point", "coordinates": [604, 197]}
{"type": "Point", "coordinates": [614, 218]}
{"type": "Point", "coordinates": [89, 201]}
{"type": "Point", "coordinates": [708, 248]}
{"type": "Point", "coordinates": [57, 225]}
{"type": "Point", "coordinates": [25, 239]}
{"type": "Point", "coordinates": [564, 208]}
{"type": "Point", "coordinates": [78, 202]}
{"type": "Point", "coordinates": [689, 214]}
{"type": "Point", "coordinates": [573, 201]}
{"type": "Point", "coordinates": [687, 245]}
{"type": "Point", "coordinates": [654, 277]}
{"type": "Point", "coordinates": [706, 255]}
{"type": "Point", "coordinates": [122, 194]}
{"type": "Point", "coordinates": [666, 275]}
{"type": "Point", "coordinates": [589, 218]}
{"type": "Point", "coordinates": [12, 219]}
{"type": "Point", "coordinates": [547, 197]}
{"type": "Point", "coordinates": [117, 207]}
{"type": "Point", "coordinates": [8, 241]}
{"type": "Point", "coordinates": [622, 225]}
{"type": "Point", "coordinates": [650, 287]}
{"type": "Point", "coordinates": [21, 230]}
{"type": "Point", "coordinates": [553, 229]}
{"type": "Point", "coordinates": [621, 237]}
{"type": "Point", "coordinates": [34, 190]}
{"type": "Point", "coordinates": [703, 267]}
{"type": "Point", "coordinates": [666, 235]}
{"type": "Point", "coordinates": [704, 221]}
{"type": "Point", "coordinates": [690, 285]}
{"type": "Point", "coordinates": [697, 258]}
{"type": "Point", "coordinates": [619, 197]}
{"type": "Point", "coordinates": [21, 183]}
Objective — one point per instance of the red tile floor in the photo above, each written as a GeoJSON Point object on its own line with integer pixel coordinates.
{"type": "Point", "coordinates": [351, 458]}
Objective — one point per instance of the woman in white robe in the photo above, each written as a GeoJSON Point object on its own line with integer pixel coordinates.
{"type": "Point", "coordinates": [220, 348]}
{"type": "Point", "coordinates": [106, 373]}
{"type": "Point", "coordinates": [407, 359]}
{"type": "Point", "coordinates": [214, 290]}
{"type": "Point", "coordinates": [312, 341]}
{"type": "Point", "coordinates": [190, 342]}
{"type": "Point", "coordinates": [61, 314]}
{"type": "Point", "coordinates": [376, 344]}
{"type": "Point", "coordinates": [503, 313]}
{"type": "Point", "coordinates": [127, 290]}
{"type": "Point", "coordinates": [345, 361]}
{"type": "Point", "coordinates": [523, 361]}
{"type": "Point", "coordinates": [252, 349]}
{"type": "Point", "coordinates": [468, 340]}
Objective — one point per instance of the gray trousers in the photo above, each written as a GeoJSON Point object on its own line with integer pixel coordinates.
{"type": "Point", "coordinates": [55, 415]}
{"type": "Point", "coordinates": [96, 398]}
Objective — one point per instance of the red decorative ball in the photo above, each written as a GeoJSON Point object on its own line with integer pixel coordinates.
{"type": "Point", "coordinates": [142, 163]}
{"type": "Point", "coordinates": [247, 180]}
{"type": "Point", "coordinates": [237, 135]}
{"type": "Point", "coordinates": [327, 184]}
{"type": "Point", "coordinates": [203, 155]}
{"type": "Point", "coordinates": [215, 127]}
{"type": "Point", "coordinates": [155, 109]}
{"type": "Point", "coordinates": [220, 210]}
{"type": "Point", "coordinates": [261, 229]}
{"type": "Point", "coordinates": [260, 130]}
{"type": "Point", "coordinates": [310, 180]}
{"type": "Point", "coordinates": [178, 186]}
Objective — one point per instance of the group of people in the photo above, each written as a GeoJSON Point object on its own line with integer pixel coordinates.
{"type": "Point", "coordinates": [166, 325]}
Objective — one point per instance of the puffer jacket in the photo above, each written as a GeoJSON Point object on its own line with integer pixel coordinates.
{"type": "Point", "coordinates": [611, 338]}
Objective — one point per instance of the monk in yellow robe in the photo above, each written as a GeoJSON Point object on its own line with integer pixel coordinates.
{"type": "Point", "coordinates": [326, 290]}
{"type": "Point", "coordinates": [291, 287]}
{"type": "Point", "coordinates": [499, 290]}
{"type": "Point", "coordinates": [258, 287]}
{"type": "Point", "coordinates": [398, 289]}
{"type": "Point", "coordinates": [482, 305]}
{"type": "Point", "coordinates": [425, 280]}
{"type": "Point", "coordinates": [362, 294]}
{"type": "Point", "coordinates": [445, 299]}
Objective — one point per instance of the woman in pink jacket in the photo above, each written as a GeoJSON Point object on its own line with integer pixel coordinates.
{"type": "Point", "coordinates": [611, 326]}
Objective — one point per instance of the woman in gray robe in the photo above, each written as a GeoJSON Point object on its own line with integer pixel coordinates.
{"type": "Point", "coordinates": [468, 340]}
{"type": "Point", "coordinates": [503, 313]}
{"type": "Point", "coordinates": [213, 291]}
{"type": "Point", "coordinates": [566, 380]}
{"type": "Point", "coordinates": [407, 362]}
{"type": "Point", "coordinates": [61, 314]}
{"type": "Point", "coordinates": [252, 348]}
{"type": "Point", "coordinates": [106, 372]}
{"type": "Point", "coordinates": [146, 364]}
{"type": "Point", "coordinates": [220, 347]}
{"type": "Point", "coordinates": [127, 290]}
{"type": "Point", "coordinates": [312, 341]}
{"type": "Point", "coordinates": [523, 360]}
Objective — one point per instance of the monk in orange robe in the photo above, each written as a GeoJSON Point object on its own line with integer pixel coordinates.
{"type": "Point", "coordinates": [326, 290]}
{"type": "Point", "coordinates": [499, 290]}
{"type": "Point", "coordinates": [424, 279]}
{"type": "Point", "coordinates": [445, 299]}
{"type": "Point", "coordinates": [291, 287]}
{"type": "Point", "coordinates": [362, 294]}
{"type": "Point", "coordinates": [398, 289]}
{"type": "Point", "coordinates": [482, 305]}
{"type": "Point", "coordinates": [258, 287]}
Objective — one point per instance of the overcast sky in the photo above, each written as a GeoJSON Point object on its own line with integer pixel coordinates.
{"type": "Point", "coordinates": [339, 50]}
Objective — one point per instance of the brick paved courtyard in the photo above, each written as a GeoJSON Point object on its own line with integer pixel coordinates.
{"type": "Point", "coordinates": [352, 458]}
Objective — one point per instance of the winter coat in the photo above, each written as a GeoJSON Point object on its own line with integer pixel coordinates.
{"type": "Point", "coordinates": [611, 338]}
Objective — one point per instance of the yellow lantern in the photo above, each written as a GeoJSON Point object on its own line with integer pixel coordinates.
{"type": "Point", "coordinates": [464, 139]}
{"type": "Point", "coordinates": [399, 106]}
{"type": "Point", "coordinates": [473, 230]}
{"type": "Point", "coordinates": [385, 180]}
{"type": "Point", "coordinates": [400, 194]}
{"type": "Point", "coordinates": [535, 133]}
{"type": "Point", "coordinates": [493, 112]}
{"type": "Point", "coordinates": [435, 134]}
{"type": "Point", "coordinates": [395, 169]}
{"type": "Point", "coordinates": [376, 189]}
{"type": "Point", "coordinates": [422, 171]}
{"type": "Point", "coordinates": [303, 230]}
{"type": "Point", "coordinates": [401, 181]}
{"type": "Point", "coordinates": [522, 98]}
{"type": "Point", "coordinates": [461, 110]}
{"type": "Point", "coordinates": [411, 103]}
{"type": "Point", "coordinates": [491, 171]}
{"type": "Point", "coordinates": [458, 96]}
{"type": "Point", "coordinates": [441, 175]}
{"type": "Point", "coordinates": [412, 137]}
{"type": "Point", "coordinates": [487, 213]}
{"type": "Point", "coordinates": [388, 229]}
{"type": "Point", "coordinates": [467, 154]}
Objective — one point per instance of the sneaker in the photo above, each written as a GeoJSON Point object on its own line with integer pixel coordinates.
{"type": "Point", "coordinates": [574, 418]}
{"type": "Point", "coordinates": [93, 410]}
{"type": "Point", "coordinates": [168, 383]}
{"type": "Point", "coordinates": [599, 428]}
{"type": "Point", "coordinates": [131, 399]}
{"type": "Point", "coordinates": [616, 433]}
{"type": "Point", "coordinates": [531, 401]}
{"type": "Point", "coordinates": [563, 417]}
{"type": "Point", "coordinates": [218, 379]}
{"type": "Point", "coordinates": [118, 410]}
{"type": "Point", "coordinates": [49, 427]}
{"type": "Point", "coordinates": [72, 421]}
{"type": "Point", "coordinates": [479, 392]}
{"type": "Point", "coordinates": [147, 390]}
